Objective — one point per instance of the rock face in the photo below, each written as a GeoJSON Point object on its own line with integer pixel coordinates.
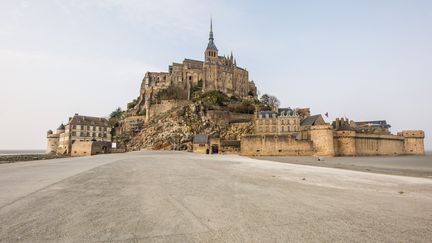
{"type": "Point", "coordinates": [174, 129]}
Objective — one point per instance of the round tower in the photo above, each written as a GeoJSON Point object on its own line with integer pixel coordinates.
{"type": "Point", "coordinates": [345, 143]}
{"type": "Point", "coordinates": [53, 141]}
{"type": "Point", "coordinates": [322, 138]}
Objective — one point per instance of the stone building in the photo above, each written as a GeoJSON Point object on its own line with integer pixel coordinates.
{"type": "Point", "coordinates": [79, 129]}
{"type": "Point", "coordinates": [282, 121]}
{"type": "Point", "coordinates": [342, 138]}
{"type": "Point", "coordinates": [379, 127]}
{"type": "Point", "coordinates": [214, 73]}
{"type": "Point", "coordinates": [200, 144]}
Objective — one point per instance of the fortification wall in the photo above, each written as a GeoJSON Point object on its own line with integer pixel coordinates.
{"type": "Point", "coordinates": [87, 148]}
{"type": "Point", "coordinates": [371, 144]}
{"type": "Point", "coordinates": [322, 138]}
{"type": "Point", "coordinates": [413, 141]}
{"type": "Point", "coordinates": [344, 143]}
{"type": "Point", "coordinates": [269, 145]}
{"type": "Point", "coordinates": [225, 117]}
{"type": "Point", "coordinates": [165, 106]}
{"type": "Point", "coordinates": [81, 148]}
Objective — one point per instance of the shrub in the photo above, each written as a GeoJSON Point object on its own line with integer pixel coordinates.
{"type": "Point", "coordinates": [132, 104]}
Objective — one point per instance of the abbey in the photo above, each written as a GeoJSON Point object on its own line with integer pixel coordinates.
{"type": "Point", "coordinates": [214, 73]}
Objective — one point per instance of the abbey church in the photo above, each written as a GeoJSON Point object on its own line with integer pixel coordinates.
{"type": "Point", "coordinates": [214, 73]}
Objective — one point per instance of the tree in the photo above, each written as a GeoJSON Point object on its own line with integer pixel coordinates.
{"type": "Point", "coordinates": [132, 104]}
{"type": "Point", "coordinates": [269, 102]}
{"type": "Point", "coordinates": [116, 113]}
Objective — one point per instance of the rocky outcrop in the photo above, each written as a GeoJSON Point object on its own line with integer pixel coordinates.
{"type": "Point", "coordinates": [174, 129]}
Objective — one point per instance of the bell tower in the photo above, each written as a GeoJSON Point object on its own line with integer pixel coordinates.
{"type": "Point", "coordinates": [211, 52]}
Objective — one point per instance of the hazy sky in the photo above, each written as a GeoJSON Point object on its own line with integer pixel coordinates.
{"type": "Point", "coordinates": [364, 60]}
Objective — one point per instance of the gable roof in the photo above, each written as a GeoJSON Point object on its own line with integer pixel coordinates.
{"type": "Point", "coordinates": [310, 120]}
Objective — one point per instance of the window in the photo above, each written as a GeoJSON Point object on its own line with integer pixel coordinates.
{"type": "Point", "coordinates": [282, 129]}
{"type": "Point", "coordinates": [73, 133]}
{"type": "Point", "coordinates": [94, 135]}
{"type": "Point", "coordinates": [81, 134]}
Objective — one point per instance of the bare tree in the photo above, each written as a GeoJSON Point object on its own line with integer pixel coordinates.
{"type": "Point", "coordinates": [269, 102]}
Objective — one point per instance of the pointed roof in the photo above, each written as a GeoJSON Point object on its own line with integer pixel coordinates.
{"type": "Point", "coordinates": [211, 44]}
{"type": "Point", "coordinates": [61, 127]}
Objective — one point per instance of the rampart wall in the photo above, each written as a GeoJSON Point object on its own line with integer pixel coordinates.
{"type": "Point", "coordinates": [269, 145]}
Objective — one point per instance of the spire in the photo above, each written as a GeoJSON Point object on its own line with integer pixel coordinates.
{"type": "Point", "coordinates": [211, 44]}
{"type": "Point", "coordinates": [211, 30]}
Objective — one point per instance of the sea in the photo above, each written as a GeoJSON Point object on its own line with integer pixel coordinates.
{"type": "Point", "coordinates": [21, 152]}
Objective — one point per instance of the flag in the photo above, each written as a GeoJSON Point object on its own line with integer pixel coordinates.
{"type": "Point", "coordinates": [326, 114]}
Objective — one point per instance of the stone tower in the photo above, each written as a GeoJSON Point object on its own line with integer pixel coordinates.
{"type": "Point", "coordinates": [413, 142]}
{"type": "Point", "coordinates": [322, 138]}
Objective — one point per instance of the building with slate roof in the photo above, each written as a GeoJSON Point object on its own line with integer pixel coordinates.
{"type": "Point", "coordinates": [79, 129]}
{"type": "Point", "coordinates": [282, 121]}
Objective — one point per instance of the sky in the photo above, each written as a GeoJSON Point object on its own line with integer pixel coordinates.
{"type": "Point", "coordinates": [363, 60]}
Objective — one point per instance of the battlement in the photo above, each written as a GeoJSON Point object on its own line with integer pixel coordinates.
{"type": "Point", "coordinates": [412, 134]}
{"type": "Point", "coordinates": [321, 127]}
{"type": "Point", "coordinates": [345, 133]}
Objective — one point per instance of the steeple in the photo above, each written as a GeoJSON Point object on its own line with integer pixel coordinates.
{"type": "Point", "coordinates": [211, 44]}
{"type": "Point", "coordinates": [211, 30]}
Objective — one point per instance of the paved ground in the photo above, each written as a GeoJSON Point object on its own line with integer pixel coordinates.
{"type": "Point", "coordinates": [184, 197]}
{"type": "Point", "coordinates": [418, 166]}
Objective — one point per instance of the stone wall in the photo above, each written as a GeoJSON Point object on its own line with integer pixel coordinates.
{"type": "Point", "coordinates": [201, 148]}
{"type": "Point", "coordinates": [350, 143]}
{"type": "Point", "coordinates": [269, 145]}
{"type": "Point", "coordinates": [87, 148]}
{"type": "Point", "coordinates": [413, 142]}
{"type": "Point", "coordinates": [165, 106]}
{"type": "Point", "coordinates": [225, 117]}
{"type": "Point", "coordinates": [344, 143]}
{"type": "Point", "coordinates": [371, 144]}
{"type": "Point", "coordinates": [322, 138]}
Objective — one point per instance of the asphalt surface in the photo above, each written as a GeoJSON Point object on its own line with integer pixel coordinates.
{"type": "Point", "coordinates": [185, 197]}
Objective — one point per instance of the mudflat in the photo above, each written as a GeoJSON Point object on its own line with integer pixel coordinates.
{"type": "Point", "coordinates": [186, 197]}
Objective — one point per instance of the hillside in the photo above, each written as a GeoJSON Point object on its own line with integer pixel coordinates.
{"type": "Point", "coordinates": [212, 113]}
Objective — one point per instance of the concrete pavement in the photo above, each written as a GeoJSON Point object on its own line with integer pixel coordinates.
{"type": "Point", "coordinates": [185, 197]}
